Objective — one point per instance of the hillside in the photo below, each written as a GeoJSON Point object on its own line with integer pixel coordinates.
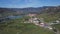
{"type": "Point", "coordinates": [45, 12]}
{"type": "Point", "coordinates": [17, 26]}
{"type": "Point", "coordinates": [50, 14]}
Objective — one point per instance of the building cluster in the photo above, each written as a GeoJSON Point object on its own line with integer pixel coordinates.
{"type": "Point", "coordinates": [40, 22]}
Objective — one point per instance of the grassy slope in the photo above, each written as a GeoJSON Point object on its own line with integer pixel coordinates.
{"type": "Point", "coordinates": [21, 28]}
{"type": "Point", "coordinates": [49, 18]}
{"type": "Point", "coordinates": [57, 26]}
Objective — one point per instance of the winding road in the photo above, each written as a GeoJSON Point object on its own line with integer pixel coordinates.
{"type": "Point", "coordinates": [49, 25]}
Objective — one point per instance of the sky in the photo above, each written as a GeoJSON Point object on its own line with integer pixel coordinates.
{"type": "Point", "coordinates": [28, 3]}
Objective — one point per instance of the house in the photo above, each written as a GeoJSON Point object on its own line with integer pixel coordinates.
{"type": "Point", "coordinates": [35, 20]}
{"type": "Point", "coordinates": [42, 24]}
{"type": "Point", "coordinates": [32, 14]}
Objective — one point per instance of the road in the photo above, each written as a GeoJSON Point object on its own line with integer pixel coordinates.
{"type": "Point", "coordinates": [58, 32]}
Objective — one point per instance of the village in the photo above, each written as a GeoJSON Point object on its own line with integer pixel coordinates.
{"type": "Point", "coordinates": [40, 22]}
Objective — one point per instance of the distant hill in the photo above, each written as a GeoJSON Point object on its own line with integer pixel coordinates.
{"type": "Point", "coordinates": [51, 10]}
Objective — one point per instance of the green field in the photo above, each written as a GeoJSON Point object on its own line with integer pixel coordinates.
{"type": "Point", "coordinates": [18, 27]}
